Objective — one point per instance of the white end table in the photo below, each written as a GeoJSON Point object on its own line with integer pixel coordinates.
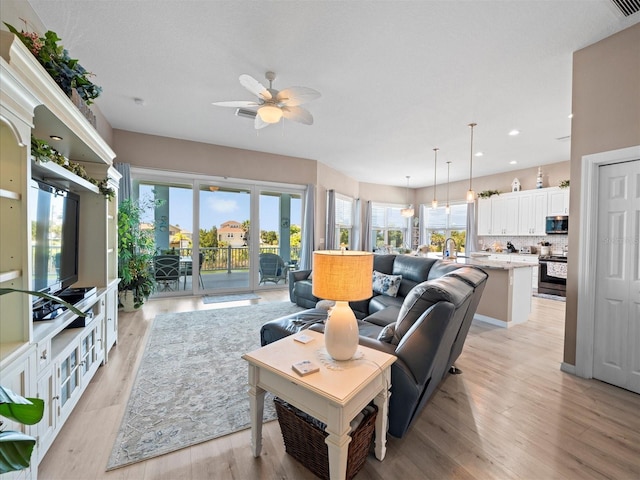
{"type": "Point", "coordinates": [333, 396]}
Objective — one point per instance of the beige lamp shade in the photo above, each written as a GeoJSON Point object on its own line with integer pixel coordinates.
{"type": "Point", "coordinates": [342, 275]}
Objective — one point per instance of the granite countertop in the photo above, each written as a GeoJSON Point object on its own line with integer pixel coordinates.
{"type": "Point", "coordinates": [494, 265]}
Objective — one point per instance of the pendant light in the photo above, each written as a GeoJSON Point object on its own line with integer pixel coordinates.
{"type": "Point", "coordinates": [434, 202]}
{"type": "Point", "coordinates": [471, 195]}
{"type": "Point", "coordinates": [447, 208]}
{"type": "Point", "coordinates": [407, 212]}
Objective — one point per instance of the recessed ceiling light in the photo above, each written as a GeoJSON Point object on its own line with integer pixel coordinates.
{"type": "Point", "coordinates": [570, 115]}
{"type": "Point", "coordinates": [513, 162]}
{"type": "Point", "coordinates": [514, 132]}
{"type": "Point", "coordinates": [55, 137]}
{"type": "Point", "coordinates": [479, 154]}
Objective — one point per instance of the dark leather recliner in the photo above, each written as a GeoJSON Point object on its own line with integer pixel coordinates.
{"type": "Point", "coordinates": [427, 324]}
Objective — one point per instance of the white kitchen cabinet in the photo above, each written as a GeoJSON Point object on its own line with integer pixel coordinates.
{"type": "Point", "coordinates": [505, 214]}
{"type": "Point", "coordinates": [485, 217]}
{"type": "Point", "coordinates": [532, 211]}
{"type": "Point", "coordinates": [558, 203]}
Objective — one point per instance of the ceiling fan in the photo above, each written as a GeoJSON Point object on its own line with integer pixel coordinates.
{"type": "Point", "coordinates": [273, 105]}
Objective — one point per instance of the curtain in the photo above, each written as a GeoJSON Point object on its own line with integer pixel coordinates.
{"type": "Point", "coordinates": [422, 238]}
{"type": "Point", "coordinates": [124, 192]}
{"type": "Point", "coordinates": [330, 233]}
{"type": "Point", "coordinates": [366, 229]}
{"type": "Point", "coordinates": [472, 229]}
{"type": "Point", "coordinates": [306, 253]}
{"type": "Point", "coordinates": [356, 243]}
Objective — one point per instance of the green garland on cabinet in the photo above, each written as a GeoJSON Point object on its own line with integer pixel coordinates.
{"type": "Point", "coordinates": [55, 59]}
{"type": "Point", "coordinates": [43, 153]}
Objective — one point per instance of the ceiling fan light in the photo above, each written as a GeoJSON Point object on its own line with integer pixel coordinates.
{"type": "Point", "coordinates": [270, 113]}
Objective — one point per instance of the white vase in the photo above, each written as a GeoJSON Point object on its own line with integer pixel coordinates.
{"type": "Point", "coordinates": [341, 332]}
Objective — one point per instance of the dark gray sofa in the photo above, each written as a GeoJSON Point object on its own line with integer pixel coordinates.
{"type": "Point", "coordinates": [425, 325]}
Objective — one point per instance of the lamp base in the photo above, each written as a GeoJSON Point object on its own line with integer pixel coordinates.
{"type": "Point", "coordinates": [341, 332]}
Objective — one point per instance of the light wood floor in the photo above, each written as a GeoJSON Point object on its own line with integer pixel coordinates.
{"type": "Point", "coordinates": [511, 414]}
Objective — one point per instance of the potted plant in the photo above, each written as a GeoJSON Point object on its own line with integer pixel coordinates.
{"type": "Point", "coordinates": [135, 255]}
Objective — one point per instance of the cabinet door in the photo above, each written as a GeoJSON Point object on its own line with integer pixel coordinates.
{"type": "Point", "coordinates": [558, 202]}
{"type": "Point", "coordinates": [505, 215]}
{"type": "Point", "coordinates": [484, 216]}
{"type": "Point", "coordinates": [532, 212]}
{"type": "Point", "coordinates": [91, 352]}
{"type": "Point", "coordinates": [110, 321]}
{"type": "Point", "coordinates": [525, 226]}
{"type": "Point", "coordinates": [47, 426]}
{"type": "Point", "coordinates": [538, 213]}
{"type": "Point", "coordinates": [69, 381]}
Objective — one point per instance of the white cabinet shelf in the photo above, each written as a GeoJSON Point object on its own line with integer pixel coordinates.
{"type": "Point", "coordinates": [47, 359]}
{"type": "Point", "coordinates": [52, 171]}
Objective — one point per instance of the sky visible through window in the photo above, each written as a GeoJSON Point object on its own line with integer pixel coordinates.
{"type": "Point", "coordinates": [218, 207]}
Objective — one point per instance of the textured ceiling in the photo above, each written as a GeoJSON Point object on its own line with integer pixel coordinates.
{"type": "Point", "coordinates": [397, 78]}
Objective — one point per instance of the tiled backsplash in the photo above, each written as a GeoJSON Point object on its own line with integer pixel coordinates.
{"type": "Point", "coordinates": [558, 242]}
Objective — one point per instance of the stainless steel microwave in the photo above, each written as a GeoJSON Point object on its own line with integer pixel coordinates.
{"type": "Point", "coordinates": [557, 224]}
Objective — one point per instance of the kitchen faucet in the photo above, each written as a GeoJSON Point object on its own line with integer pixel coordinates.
{"type": "Point", "coordinates": [450, 252]}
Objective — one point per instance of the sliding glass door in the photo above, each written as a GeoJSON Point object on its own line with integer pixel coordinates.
{"type": "Point", "coordinates": [224, 239]}
{"type": "Point", "coordinates": [168, 211]}
{"type": "Point", "coordinates": [280, 233]}
{"type": "Point", "coordinates": [218, 229]}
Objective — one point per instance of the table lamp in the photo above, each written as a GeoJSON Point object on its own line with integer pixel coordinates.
{"type": "Point", "coordinates": [342, 276]}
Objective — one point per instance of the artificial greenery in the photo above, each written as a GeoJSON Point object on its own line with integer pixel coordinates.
{"type": "Point", "coordinates": [55, 59]}
{"type": "Point", "coordinates": [135, 251]}
{"type": "Point", "coordinates": [488, 193]}
{"type": "Point", "coordinates": [43, 153]}
{"type": "Point", "coordinates": [564, 184]}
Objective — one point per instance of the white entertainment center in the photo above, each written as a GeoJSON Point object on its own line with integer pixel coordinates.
{"type": "Point", "coordinates": [48, 359]}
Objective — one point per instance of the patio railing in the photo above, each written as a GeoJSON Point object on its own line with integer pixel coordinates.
{"type": "Point", "coordinates": [233, 258]}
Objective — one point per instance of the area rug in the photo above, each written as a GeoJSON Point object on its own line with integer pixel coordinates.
{"type": "Point", "coordinates": [229, 298]}
{"type": "Point", "coordinates": [191, 384]}
{"type": "Point", "coordinates": [550, 297]}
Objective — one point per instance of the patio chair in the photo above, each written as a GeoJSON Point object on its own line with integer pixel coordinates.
{"type": "Point", "coordinates": [188, 270]}
{"type": "Point", "coordinates": [272, 268]}
{"type": "Point", "coordinates": [167, 272]}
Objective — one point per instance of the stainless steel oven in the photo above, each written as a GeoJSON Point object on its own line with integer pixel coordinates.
{"type": "Point", "coordinates": [552, 275]}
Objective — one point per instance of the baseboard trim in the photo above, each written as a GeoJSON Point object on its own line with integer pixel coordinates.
{"type": "Point", "coordinates": [494, 321]}
{"type": "Point", "coordinates": [568, 368]}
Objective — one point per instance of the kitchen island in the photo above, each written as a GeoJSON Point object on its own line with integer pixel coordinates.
{"type": "Point", "coordinates": [506, 300]}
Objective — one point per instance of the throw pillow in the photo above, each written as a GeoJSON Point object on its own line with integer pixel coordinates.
{"type": "Point", "coordinates": [386, 284]}
{"type": "Point", "coordinates": [386, 335]}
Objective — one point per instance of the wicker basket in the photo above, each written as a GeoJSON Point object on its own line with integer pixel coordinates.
{"type": "Point", "coordinates": [304, 439]}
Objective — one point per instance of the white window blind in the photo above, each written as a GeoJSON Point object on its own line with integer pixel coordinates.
{"type": "Point", "coordinates": [344, 211]}
{"type": "Point", "coordinates": [437, 219]}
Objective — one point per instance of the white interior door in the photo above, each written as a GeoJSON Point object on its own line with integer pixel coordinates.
{"type": "Point", "coordinates": [617, 319]}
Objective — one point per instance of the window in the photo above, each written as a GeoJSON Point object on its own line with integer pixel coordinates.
{"type": "Point", "coordinates": [439, 226]}
{"type": "Point", "coordinates": [344, 221]}
{"type": "Point", "coordinates": [389, 228]}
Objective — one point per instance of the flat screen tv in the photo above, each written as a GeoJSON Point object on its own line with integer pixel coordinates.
{"type": "Point", "coordinates": [54, 237]}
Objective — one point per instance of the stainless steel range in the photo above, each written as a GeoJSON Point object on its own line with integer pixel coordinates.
{"type": "Point", "coordinates": [552, 275]}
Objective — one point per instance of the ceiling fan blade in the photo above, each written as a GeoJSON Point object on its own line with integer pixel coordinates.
{"type": "Point", "coordinates": [297, 114]}
{"type": "Point", "coordinates": [236, 104]}
{"type": "Point", "coordinates": [254, 86]}
{"type": "Point", "coordinates": [258, 123]}
{"type": "Point", "coordinates": [294, 96]}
